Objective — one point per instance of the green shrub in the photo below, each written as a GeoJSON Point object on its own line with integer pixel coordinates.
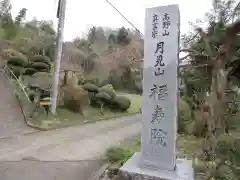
{"type": "Point", "coordinates": [92, 80]}
{"type": "Point", "coordinates": [104, 97]}
{"type": "Point", "coordinates": [42, 74]}
{"type": "Point", "coordinates": [17, 70]}
{"type": "Point", "coordinates": [42, 59]}
{"type": "Point", "coordinates": [118, 154]}
{"type": "Point", "coordinates": [228, 147]}
{"type": "Point", "coordinates": [138, 141]}
{"type": "Point", "coordinates": [138, 87]}
{"type": "Point", "coordinates": [108, 89]}
{"type": "Point", "coordinates": [99, 99]}
{"type": "Point", "coordinates": [185, 117]}
{"type": "Point", "coordinates": [103, 83]}
{"type": "Point", "coordinates": [81, 80]}
{"type": "Point", "coordinates": [31, 95]}
{"type": "Point", "coordinates": [17, 61]}
{"type": "Point", "coordinates": [94, 102]}
{"type": "Point", "coordinates": [30, 71]}
{"type": "Point", "coordinates": [45, 70]}
{"type": "Point", "coordinates": [42, 79]}
{"type": "Point", "coordinates": [191, 104]}
{"type": "Point", "coordinates": [40, 66]}
{"type": "Point", "coordinates": [7, 53]}
{"type": "Point", "coordinates": [91, 88]}
{"type": "Point", "coordinates": [200, 127]}
{"type": "Point", "coordinates": [11, 67]}
{"type": "Point", "coordinates": [185, 109]}
{"type": "Point", "coordinates": [107, 86]}
{"type": "Point", "coordinates": [121, 103]}
{"type": "Point", "coordinates": [228, 152]}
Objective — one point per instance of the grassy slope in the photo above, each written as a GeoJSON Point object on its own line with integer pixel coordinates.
{"type": "Point", "coordinates": [67, 118]}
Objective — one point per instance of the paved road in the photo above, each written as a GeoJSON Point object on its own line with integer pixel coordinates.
{"type": "Point", "coordinates": [73, 153]}
{"type": "Point", "coordinates": [11, 120]}
{"type": "Point", "coordinates": [34, 170]}
{"type": "Point", "coordinates": [84, 144]}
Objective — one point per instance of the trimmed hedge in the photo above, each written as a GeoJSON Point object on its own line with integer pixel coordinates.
{"type": "Point", "coordinates": [7, 53]}
{"type": "Point", "coordinates": [107, 95]}
{"type": "Point", "coordinates": [91, 88]}
{"type": "Point", "coordinates": [104, 97]}
{"type": "Point", "coordinates": [40, 66]}
{"type": "Point", "coordinates": [30, 71]}
{"type": "Point", "coordinates": [31, 95]}
{"type": "Point", "coordinates": [17, 61]}
{"type": "Point", "coordinates": [42, 74]}
{"type": "Point", "coordinates": [42, 59]}
{"type": "Point", "coordinates": [121, 103]}
{"type": "Point", "coordinates": [109, 90]}
{"type": "Point", "coordinates": [18, 70]}
{"type": "Point", "coordinates": [91, 80]}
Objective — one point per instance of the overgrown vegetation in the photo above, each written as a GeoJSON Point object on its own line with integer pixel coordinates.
{"type": "Point", "coordinates": [212, 84]}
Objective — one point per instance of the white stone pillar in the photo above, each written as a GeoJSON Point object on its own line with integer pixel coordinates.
{"type": "Point", "coordinates": [160, 87]}
{"type": "Point", "coordinates": [157, 159]}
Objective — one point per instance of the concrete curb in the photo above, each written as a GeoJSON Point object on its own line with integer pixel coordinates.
{"type": "Point", "coordinates": [84, 122]}
{"type": "Point", "coordinates": [97, 175]}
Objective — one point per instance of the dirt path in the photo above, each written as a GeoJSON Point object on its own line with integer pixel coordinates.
{"type": "Point", "coordinates": [84, 143]}
{"type": "Point", "coordinates": [11, 117]}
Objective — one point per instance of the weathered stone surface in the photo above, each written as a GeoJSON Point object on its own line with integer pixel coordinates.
{"type": "Point", "coordinates": [132, 170]}
{"type": "Point", "coordinates": [157, 160]}
{"type": "Point", "coordinates": [160, 87]}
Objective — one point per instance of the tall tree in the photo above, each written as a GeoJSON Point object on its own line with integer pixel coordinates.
{"type": "Point", "coordinates": [92, 35]}
{"type": "Point", "coordinates": [21, 16]}
{"type": "Point", "coordinates": [122, 36]}
{"type": "Point", "coordinates": [214, 56]}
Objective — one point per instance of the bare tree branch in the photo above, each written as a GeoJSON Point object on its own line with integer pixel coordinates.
{"type": "Point", "coordinates": [192, 38]}
{"type": "Point", "coordinates": [191, 66]}
{"type": "Point", "coordinates": [194, 51]}
{"type": "Point", "coordinates": [185, 57]}
{"type": "Point", "coordinates": [187, 50]}
{"type": "Point", "coordinates": [206, 41]}
{"type": "Point", "coordinates": [235, 11]}
{"type": "Point", "coordinates": [191, 53]}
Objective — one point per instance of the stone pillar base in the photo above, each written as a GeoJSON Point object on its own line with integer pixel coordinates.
{"type": "Point", "coordinates": [132, 171]}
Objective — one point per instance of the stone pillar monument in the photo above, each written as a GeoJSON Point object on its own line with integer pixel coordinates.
{"type": "Point", "coordinates": [157, 159]}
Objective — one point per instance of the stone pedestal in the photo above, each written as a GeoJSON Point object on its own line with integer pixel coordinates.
{"type": "Point", "coordinates": [132, 170]}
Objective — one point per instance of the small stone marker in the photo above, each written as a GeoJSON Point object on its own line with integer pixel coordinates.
{"type": "Point", "coordinates": [157, 159]}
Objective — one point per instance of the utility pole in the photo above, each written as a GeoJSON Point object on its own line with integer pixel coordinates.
{"type": "Point", "coordinates": [58, 52]}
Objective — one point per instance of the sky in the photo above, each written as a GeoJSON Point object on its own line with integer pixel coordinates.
{"type": "Point", "coordinates": [81, 15]}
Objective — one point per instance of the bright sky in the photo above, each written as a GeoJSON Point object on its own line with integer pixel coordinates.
{"type": "Point", "coordinates": [81, 15]}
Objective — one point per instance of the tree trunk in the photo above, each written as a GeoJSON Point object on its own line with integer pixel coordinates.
{"type": "Point", "coordinates": [65, 77]}
{"type": "Point", "coordinates": [216, 122]}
